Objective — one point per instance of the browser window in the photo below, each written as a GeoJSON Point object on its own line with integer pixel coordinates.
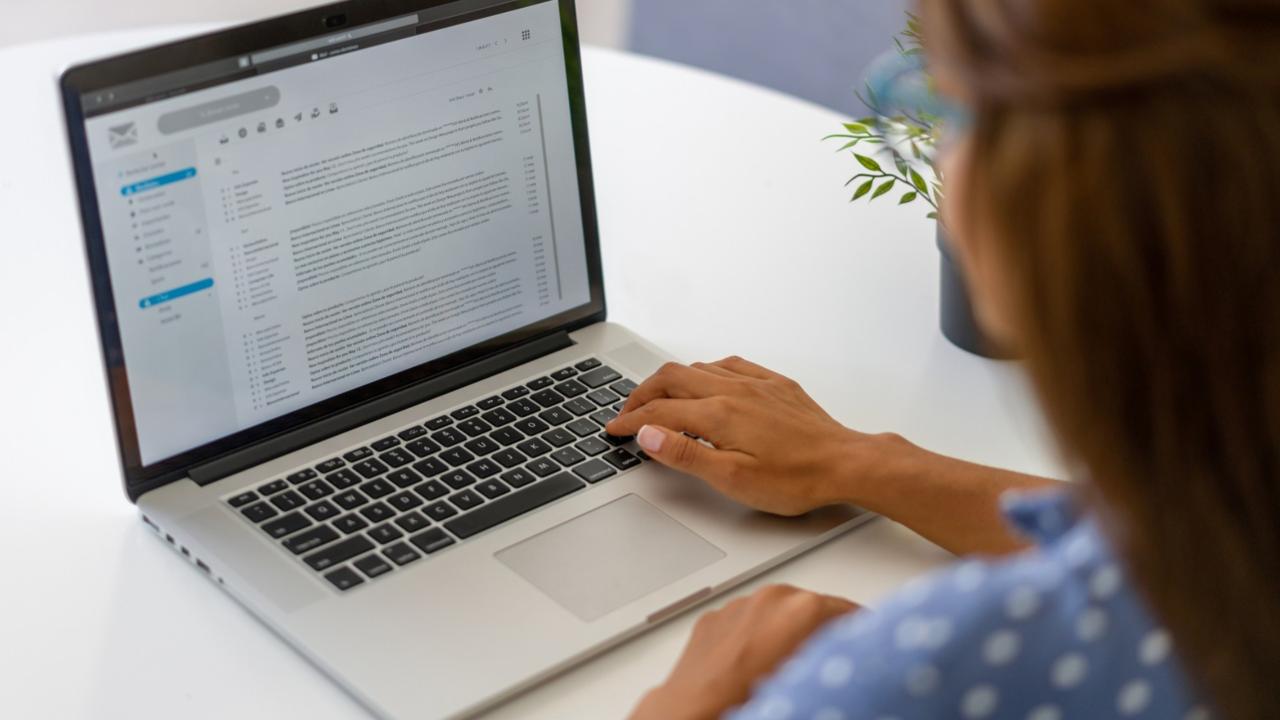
{"type": "Point", "coordinates": [385, 198]}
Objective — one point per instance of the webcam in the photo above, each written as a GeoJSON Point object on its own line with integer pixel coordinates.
{"type": "Point", "coordinates": [334, 21]}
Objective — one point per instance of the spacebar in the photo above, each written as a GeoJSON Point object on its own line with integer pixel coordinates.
{"type": "Point", "coordinates": [516, 504]}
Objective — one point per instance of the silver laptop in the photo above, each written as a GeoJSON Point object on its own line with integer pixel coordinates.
{"type": "Point", "coordinates": [349, 293]}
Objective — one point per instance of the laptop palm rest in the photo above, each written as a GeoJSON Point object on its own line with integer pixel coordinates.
{"type": "Point", "coordinates": [609, 557]}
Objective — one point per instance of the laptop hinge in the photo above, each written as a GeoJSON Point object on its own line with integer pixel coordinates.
{"type": "Point", "coordinates": [314, 432]}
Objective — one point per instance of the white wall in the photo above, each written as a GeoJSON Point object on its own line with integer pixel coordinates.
{"type": "Point", "coordinates": [603, 22]}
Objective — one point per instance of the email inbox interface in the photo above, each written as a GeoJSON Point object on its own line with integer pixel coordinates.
{"type": "Point", "coordinates": [370, 212]}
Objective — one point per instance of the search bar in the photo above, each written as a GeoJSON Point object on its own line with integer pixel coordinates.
{"type": "Point", "coordinates": [321, 43]}
{"type": "Point", "coordinates": [211, 112]}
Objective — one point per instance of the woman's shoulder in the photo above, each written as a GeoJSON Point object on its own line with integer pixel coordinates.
{"type": "Point", "coordinates": [1055, 632]}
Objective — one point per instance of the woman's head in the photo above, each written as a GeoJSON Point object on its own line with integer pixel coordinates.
{"type": "Point", "coordinates": [1116, 205]}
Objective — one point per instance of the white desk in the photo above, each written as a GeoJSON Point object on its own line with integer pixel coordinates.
{"type": "Point", "coordinates": [725, 230]}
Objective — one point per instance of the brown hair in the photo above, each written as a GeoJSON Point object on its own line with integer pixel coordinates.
{"type": "Point", "coordinates": [1125, 173]}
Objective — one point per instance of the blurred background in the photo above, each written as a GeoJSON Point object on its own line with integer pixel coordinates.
{"type": "Point", "coordinates": [813, 49]}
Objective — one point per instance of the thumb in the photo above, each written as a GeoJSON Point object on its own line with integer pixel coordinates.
{"type": "Point", "coordinates": [679, 451]}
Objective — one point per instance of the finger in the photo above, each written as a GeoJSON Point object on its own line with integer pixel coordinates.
{"type": "Point", "coordinates": [748, 368]}
{"type": "Point", "coordinates": [674, 380]}
{"type": "Point", "coordinates": [683, 453]}
{"type": "Point", "coordinates": [717, 370]}
{"type": "Point", "coordinates": [703, 418]}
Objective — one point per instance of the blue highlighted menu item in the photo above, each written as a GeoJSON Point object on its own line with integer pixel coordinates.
{"type": "Point", "coordinates": [175, 293]}
{"type": "Point", "coordinates": [156, 182]}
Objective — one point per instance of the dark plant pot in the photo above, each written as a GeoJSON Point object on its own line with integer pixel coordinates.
{"type": "Point", "coordinates": [958, 322]}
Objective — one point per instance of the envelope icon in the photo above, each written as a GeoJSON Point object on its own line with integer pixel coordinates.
{"type": "Point", "coordinates": [123, 135]}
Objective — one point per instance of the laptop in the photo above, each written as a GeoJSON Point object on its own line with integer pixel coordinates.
{"type": "Point", "coordinates": [348, 285]}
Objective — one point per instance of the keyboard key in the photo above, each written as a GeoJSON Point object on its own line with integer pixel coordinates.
{"type": "Point", "coordinates": [593, 446]}
{"type": "Point", "coordinates": [438, 423]}
{"type": "Point", "coordinates": [370, 468]}
{"type": "Point", "coordinates": [433, 490]}
{"type": "Point", "coordinates": [350, 524]}
{"type": "Point", "coordinates": [404, 501]}
{"type": "Point", "coordinates": [623, 387]}
{"type": "Point", "coordinates": [343, 479]}
{"type": "Point", "coordinates": [534, 447]}
{"type": "Point", "coordinates": [524, 408]}
{"type": "Point", "coordinates": [398, 457]}
{"type": "Point", "coordinates": [316, 489]}
{"type": "Point", "coordinates": [243, 498]}
{"type": "Point", "coordinates": [404, 478]}
{"type": "Point", "coordinates": [458, 479]}
{"type": "Point", "coordinates": [440, 511]}
{"type": "Point", "coordinates": [358, 454]}
{"type": "Point", "coordinates": [465, 500]}
{"type": "Point", "coordinates": [430, 467]}
{"type": "Point", "coordinates": [431, 541]}
{"type": "Point", "coordinates": [555, 416]}
{"type": "Point", "coordinates": [273, 487]}
{"type": "Point", "coordinates": [387, 533]}
{"type": "Point", "coordinates": [449, 437]}
{"type": "Point", "coordinates": [518, 478]}
{"type": "Point", "coordinates": [515, 393]}
{"type": "Point", "coordinates": [489, 403]}
{"type": "Point", "coordinates": [378, 512]}
{"type": "Point", "coordinates": [539, 383]}
{"type": "Point", "coordinates": [559, 437]}
{"type": "Point", "coordinates": [457, 457]}
{"type": "Point", "coordinates": [412, 433]}
{"type": "Point", "coordinates": [580, 406]}
{"type": "Point", "coordinates": [344, 578]}
{"type": "Point", "coordinates": [322, 510]}
{"type": "Point", "coordinates": [593, 471]}
{"type": "Point", "coordinates": [614, 440]}
{"type": "Point", "coordinates": [506, 436]}
{"type": "Point", "coordinates": [422, 447]}
{"type": "Point", "coordinates": [401, 554]}
{"type": "Point", "coordinates": [484, 468]}
{"type": "Point", "coordinates": [385, 443]}
{"type": "Point", "coordinates": [492, 489]}
{"type": "Point", "coordinates": [514, 505]}
{"type": "Point", "coordinates": [531, 426]}
{"type": "Point", "coordinates": [543, 467]}
{"type": "Point", "coordinates": [378, 488]}
{"type": "Point", "coordinates": [372, 566]}
{"type": "Point", "coordinates": [603, 397]}
{"type": "Point", "coordinates": [339, 552]}
{"type": "Point", "coordinates": [311, 539]}
{"type": "Point", "coordinates": [599, 377]}
{"type": "Point", "coordinates": [350, 500]}
{"type": "Point", "coordinates": [499, 417]}
{"type": "Point", "coordinates": [330, 465]}
{"type": "Point", "coordinates": [412, 522]}
{"type": "Point", "coordinates": [568, 456]}
{"type": "Point", "coordinates": [482, 446]}
{"type": "Point", "coordinates": [475, 427]}
{"type": "Point", "coordinates": [622, 459]}
{"type": "Point", "coordinates": [287, 501]}
{"type": "Point", "coordinates": [571, 389]}
{"type": "Point", "coordinates": [563, 374]}
{"type": "Point", "coordinates": [583, 427]}
{"type": "Point", "coordinates": [510, 458]}
{"type": "Point", "coordinates": [464, 413]}
{"type": "Point", "coordinates": [287, 525]}
{"type": "Point", "coordinates": [588, 364]}
{"type": "Point", "coordinates": [604, 417]}
{"type": "Point", "coordinates": [303, 475]}
{"type": "Point", "coordinates": [548, 398]}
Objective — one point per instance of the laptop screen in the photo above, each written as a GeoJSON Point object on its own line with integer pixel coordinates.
{"type": "Point", "coordinates": [288, 225]}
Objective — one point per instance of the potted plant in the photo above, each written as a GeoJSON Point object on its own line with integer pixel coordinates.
{"type": "Point", "coordinates": [895, 149]}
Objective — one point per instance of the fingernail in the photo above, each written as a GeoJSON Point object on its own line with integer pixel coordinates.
{"type": "Point", "coordinates": [650, 438]}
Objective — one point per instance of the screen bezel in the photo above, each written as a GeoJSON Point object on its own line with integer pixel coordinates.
{"type": "Point", "coordinates": [247, 39]}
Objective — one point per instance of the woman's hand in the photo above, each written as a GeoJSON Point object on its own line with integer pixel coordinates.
{"type": "Point", "coordinates": [774, 448]}
{"type": "Point", "coordinates": [734, 647]}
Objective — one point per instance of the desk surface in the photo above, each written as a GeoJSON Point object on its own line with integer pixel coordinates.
{"type": "Point", "coordinates": [725, 230]}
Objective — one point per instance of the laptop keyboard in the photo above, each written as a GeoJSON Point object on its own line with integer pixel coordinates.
{"type": "Point", "coordinates": [376, 508]}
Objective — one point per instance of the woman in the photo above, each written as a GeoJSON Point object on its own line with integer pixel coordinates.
{"type": "Point", "coordinates": [1115, 201]}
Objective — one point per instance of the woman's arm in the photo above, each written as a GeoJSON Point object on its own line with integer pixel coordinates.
{"type": "Point", "coordinates": [773, 448]}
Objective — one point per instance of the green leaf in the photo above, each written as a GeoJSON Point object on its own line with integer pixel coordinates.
{"type": "Point", "coordinates": [849, 144]}
{"type": "Point", "coordinates": [932, 216]}
{"type": "Point", "coordinates": [886, 187]}
{"type": "Point", "coordinates": [868, 163]}
{"type": "Point", "coordinates": [919, 182]}
{"type": "Point", "coordinates": [906, 198]}
{"type": "Point", "coordinates": [857, 128]}
{"type": "Point", "coordinates": [869, 121]}
{"type": "Point", "coordinates": [863, 189]}
{"type": "Point", "coordinates": [900, 163]}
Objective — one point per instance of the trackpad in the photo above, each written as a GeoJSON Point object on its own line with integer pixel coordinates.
{"type": "Point", "coordinates": [613, 555]}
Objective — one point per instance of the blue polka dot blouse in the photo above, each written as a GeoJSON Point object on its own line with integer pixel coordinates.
{"type": "Point", "coordinates": [1054, 633]}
